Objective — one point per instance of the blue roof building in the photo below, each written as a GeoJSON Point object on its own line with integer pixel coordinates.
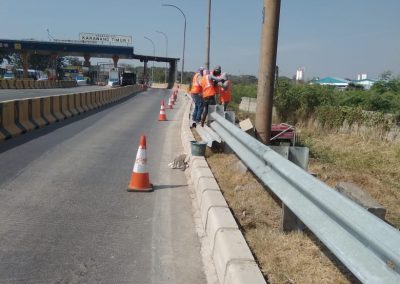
{"type": "Point", "coordinates": [333, 81]}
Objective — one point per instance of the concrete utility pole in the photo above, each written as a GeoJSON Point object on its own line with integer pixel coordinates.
{"type": "Point", "coordinates": [208, 36]}
{"type": "Point", "coordinates": [266, 72]}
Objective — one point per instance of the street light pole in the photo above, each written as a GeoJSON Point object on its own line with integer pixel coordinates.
{"type": "Point", "coordinates": [184, 38]}
{"type": "Point", "coordinates": [208, 36]}
{"type": "Point", "coordinates": [154, 55]}
{"type": "Point", "coordinates": [166, 53]}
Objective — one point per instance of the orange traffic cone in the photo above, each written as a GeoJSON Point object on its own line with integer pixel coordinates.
{"type": "Point", "coordinates": [162, 116]}
{"type": "Point", "coordinates": [170, 103]}
{"type": "Point", "coordinates": [140, 176]}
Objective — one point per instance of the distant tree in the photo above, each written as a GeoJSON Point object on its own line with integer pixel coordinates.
{"type": "Point", "coordinates": [74, 61]}
{"type": "Point", "coordinates": [16, 60]}
{"type": "Point", "coordinates": [61, 63]}
{"type": "Point", "coordinates": [39, 61]}
{"type": "Point", "coordinates": [5, 56]}
{"type": "Point", "coordinates": [386, 75]}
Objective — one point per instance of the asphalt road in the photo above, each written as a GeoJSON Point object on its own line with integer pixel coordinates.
{"type": "Point", "coordinates": [65, 214]}
{"type": "Point", "coordinates": [12, 94]}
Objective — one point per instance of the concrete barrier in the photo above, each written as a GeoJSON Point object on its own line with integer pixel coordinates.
{"type": "Point", "coordinates": [97, 99]}
{"type": "Point", "coordinates": [64, 106]}
{"type": "Point", "coordinates": [26, 84]}
{"type": "Point", "coordinates": [46, 108]}
{"type": "Point", "coordinates": [3, 84]}
{"type": "Point", "coordinates": [18, 84]}
{"type": "Point", "coordinates": [78, 103]}
{"type": "Point", "coordinates": [10, 84]}
{"type": "Point", "coordinates": [23, 113]}
{"type": "Point", "coordinates": [56, 108]}
{"type": "Point", "coordinates": [111, 96]}
{"type": "Point", "coordinates": [9, 118]}
{"type": "Point", "coordinates": [91, 99]}
{"type": "Point", "coordinates": [71, 104]}
{"type": "Point", "coordinates": [84, 102]}
{"type": "Point", "coordinates": [36, 114]}
{"type": "Point", "coordinates": [20, 116]}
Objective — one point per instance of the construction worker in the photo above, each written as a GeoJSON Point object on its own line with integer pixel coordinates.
{"type": "Point", "coordinates": [225, 90]}
{"type": "Point", "coordinates": [196, 91]}
{"type": "Point", "coordinates": [209, 84]}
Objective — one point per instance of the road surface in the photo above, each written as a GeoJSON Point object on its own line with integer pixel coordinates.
{"type": "Point", "coordinates": [13, 94]}
{"type": "Point", "coordinates": [65, 214]}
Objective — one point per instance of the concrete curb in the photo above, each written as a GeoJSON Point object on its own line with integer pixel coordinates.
{"type": "Point", "coordinates": [232, 258]}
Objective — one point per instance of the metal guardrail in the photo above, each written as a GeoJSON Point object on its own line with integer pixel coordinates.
{"type": "Point", "coordinates": [208, 135]}
{"type": "Point", "coordinates": [367, 246]}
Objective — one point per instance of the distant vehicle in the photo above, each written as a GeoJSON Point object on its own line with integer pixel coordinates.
{"type": "Point", "coordinates": [32, 74]}
{"type": "Point", "coordinates": [43, 78]}
{"type": "Point", "coordinates": [128, 78]}
{"type": "Point", "coordinates": [113, 77]}
{"type": "Point", "coordinates": [80, 80]}
{"type": "Point", "coordinates": [9, 76]}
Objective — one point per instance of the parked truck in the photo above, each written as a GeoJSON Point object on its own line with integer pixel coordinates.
{"type": "Point", "coordinates": [113, 77]}
{"type": "Point", "coordinates": [128, 78]}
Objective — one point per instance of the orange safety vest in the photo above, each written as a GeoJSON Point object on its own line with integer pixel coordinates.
{"type": "Point", "coordinates": [196, 87]}
{"type": "Point", "coordinates": [209, 89]}
{"type": "Point", "coordinates": [225, 94]}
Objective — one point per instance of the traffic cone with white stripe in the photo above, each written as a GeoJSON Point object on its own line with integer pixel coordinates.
{"type": "Point", "coordinates": [162, 116]}
{"type": "Point", "coordinates": [170, 103]}
{"type": "Point", "coordinates": [140, 180]}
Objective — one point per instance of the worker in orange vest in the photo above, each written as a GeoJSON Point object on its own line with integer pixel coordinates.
{"type": "Point", "coordinates": [225, 90]}
{"type": "Point", "coordinates": [209, 84]}
{"type": "Point", "coordinates": [196, 91]}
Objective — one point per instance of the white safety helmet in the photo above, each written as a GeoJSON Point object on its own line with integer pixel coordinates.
{"type": "Point", "coordinates": [224, 76]}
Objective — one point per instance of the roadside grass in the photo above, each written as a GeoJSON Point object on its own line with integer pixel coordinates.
{"type": "Point", "coordinates": [371, 164]}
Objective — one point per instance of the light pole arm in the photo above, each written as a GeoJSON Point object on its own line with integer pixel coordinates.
{"type": "Point", "coordinates": [184, 37]}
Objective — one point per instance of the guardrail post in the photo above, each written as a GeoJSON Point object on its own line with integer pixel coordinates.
{"type": "Point", "coordinates": [298, 156]}
{"type": "Point", "coordinates": [230, 116]}
{"type": "Point", "coordinates": [290, 222]}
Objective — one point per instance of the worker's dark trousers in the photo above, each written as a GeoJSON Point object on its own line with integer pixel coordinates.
{"type": "Point", "coordinates": [208, 101]}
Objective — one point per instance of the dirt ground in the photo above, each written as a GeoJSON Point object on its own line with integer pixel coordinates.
{"type": "Point", "coordinates": [300, 257]}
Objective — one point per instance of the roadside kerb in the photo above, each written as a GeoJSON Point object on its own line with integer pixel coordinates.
{"type": "Point", "coordinates": [232, 257]}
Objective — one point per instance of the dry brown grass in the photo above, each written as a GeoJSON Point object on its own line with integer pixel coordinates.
{"type": "Point", "coordinates": [372, 164]}
{"type": "Point", "coordinates": [283, 258]}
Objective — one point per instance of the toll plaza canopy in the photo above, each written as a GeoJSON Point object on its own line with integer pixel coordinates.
{"type": "Point", "coordinates": [82, 49]}
{"type": "Point", "coordinates": [66, 48]}
{"type": "Point", "coordinates": [77, 48]}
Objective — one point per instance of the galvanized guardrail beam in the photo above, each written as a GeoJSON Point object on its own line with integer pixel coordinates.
{"type": "Point", "coordinates": [367, 246]}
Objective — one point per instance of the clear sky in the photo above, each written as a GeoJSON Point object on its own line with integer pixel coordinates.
{"type": "Point", "coordinates": [327, 37]}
